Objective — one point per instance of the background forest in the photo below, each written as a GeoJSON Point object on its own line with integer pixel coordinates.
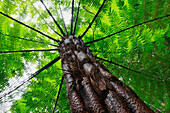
{"type": "Point", "coordinates": [137, 47]}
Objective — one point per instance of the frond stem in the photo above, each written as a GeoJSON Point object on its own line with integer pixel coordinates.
{"type": "Point", "coordinates": [28, 50]}
{"type": "Point", "coordinates": [30, 27]}
{"type": "Point", "coordinates": [93, 20]}
{"type": "Point", "coordinates": [128, 68]}
{"type": "Point", "coordinates": [76, 18]}
{"type": "Point", "coordinates": [45, 20]}
{"type": "Point", "coordinates": [72, 11]}
{"type": "Point", "coordinates": [63, 21]}
{"type": "Point", "coordinates": [29, 40]}
{"type": "Point", "coordinates": [58, 94]}
{"type": "Point", "coordinates": [33, 75]}
{"type": "Point", "coordinates": [126, 29]}
{"type": "Point", "coordinates": [53, 18]}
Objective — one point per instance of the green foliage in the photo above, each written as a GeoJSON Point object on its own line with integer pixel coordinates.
{"type": "Point", "coordinates": [144, 48]}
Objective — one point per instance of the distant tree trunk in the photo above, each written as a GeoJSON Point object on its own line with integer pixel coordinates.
{"type": "Point", "coordinates": [91, 88]}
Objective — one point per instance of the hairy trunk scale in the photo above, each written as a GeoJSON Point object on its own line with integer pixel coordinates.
{"type": "Point", "coordinates": [91, 88]}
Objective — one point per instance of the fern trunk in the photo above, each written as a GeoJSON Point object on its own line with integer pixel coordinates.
{"type": "Point", "coordinates": [91, 87]}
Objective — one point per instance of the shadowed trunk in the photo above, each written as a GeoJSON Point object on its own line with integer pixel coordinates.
{"type": "Point", "coordinates": [91, 87]}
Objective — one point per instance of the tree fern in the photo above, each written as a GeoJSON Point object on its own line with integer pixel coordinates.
{"type": "Point", "coordinates": [131, 33]}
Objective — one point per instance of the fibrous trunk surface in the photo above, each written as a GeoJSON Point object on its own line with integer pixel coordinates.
{"type": "Point", "coordinates": [91, 88]}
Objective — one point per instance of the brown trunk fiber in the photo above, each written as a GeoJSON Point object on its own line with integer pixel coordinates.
{"type": "Point", "coordinates": [91, 88]}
